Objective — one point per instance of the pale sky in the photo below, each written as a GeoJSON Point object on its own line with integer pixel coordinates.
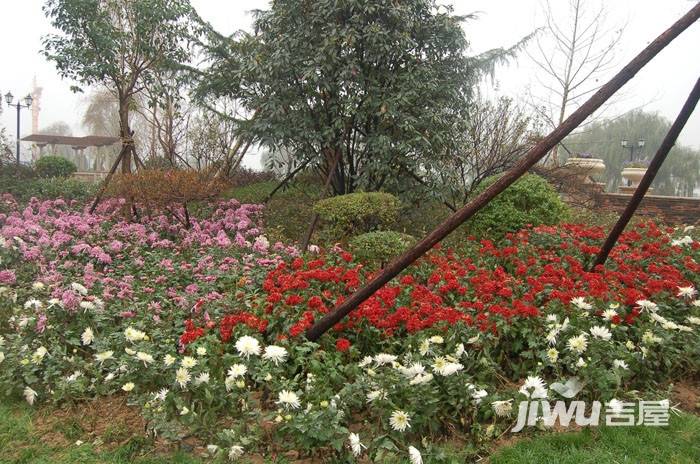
{"type": "Point", "coordinates": [661, 86]}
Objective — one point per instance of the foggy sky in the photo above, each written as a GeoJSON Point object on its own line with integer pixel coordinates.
{"type": "Point", "coordinates": [661, 86]}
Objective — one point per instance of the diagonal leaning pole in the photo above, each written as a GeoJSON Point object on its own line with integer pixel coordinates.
{"type": "Point", "coordinates": [529, 160]}
{"type": "Point", "coordinates": [648, 178]}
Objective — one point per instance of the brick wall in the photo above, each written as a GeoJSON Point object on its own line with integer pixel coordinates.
{"type": "Point", "coordinates": [674, 210]}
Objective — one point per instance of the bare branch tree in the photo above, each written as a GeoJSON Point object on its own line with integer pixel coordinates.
{"type": "Point", "coordinates": [573, 55]}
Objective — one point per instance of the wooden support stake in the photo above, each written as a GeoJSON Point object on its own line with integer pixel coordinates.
{"type": "Point", "coordinates": [648, 178]}
{"type": "Point", "coordinates": [314, 221]}
{"type": "Point", "coordinates": [529, 160]}
{"type": "Point", "coordinates": [98, 197]}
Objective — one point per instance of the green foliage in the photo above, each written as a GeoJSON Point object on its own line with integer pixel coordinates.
{"type": "Point", "coordinates": [357, 213]}
{"type": "Point", "coordinates": [680, 173]}
{"type": "Point", "coordinates": [54, 166]}
{"type": "Point", "coordinates": [11, 170]}
{"type": "Point", "coordinates": [384, 83]}
{"type": "Point", "coordinates": [380, 246]}
{"type": "Point", "coordinates": [530, 200]}
{"type": "Point", "coordinates": [51, 188]}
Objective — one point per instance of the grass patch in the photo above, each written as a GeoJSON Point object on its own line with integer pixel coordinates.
{"type": "Point", "coordinates": [679, 443]}
{"type": "Point", "coordinates": [22, 444]}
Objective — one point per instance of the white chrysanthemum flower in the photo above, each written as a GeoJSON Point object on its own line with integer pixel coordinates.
{"type": "Point", "coordinates": [201, 351]}
{"type": "Point", "coordinates": [421, 378]}
{"type": "Point", "coordinates": [580, 303]}
{"type": "Point", "coordinates": [129, 351]}
{"type": "Point", "coordinates": [235, 452]}
{"type": "Point", "coordinates": [400, 421]}
{"type": "Point", "coordinates": [686, 240]}
{"type": "Point", "coordinates": [184, 411]}
{"type": "Point", "coordinates": [581, 363]}
{"type": "Point", "coordinates": [551, 336]}
{"type": "Point", "coordinates": [134, 335]}
{"type": "Point", "coordinates": [414, 455]}
{"type": "Point", "coordinates": [437, 339]}
{"type": "Point", "coordinates": [236, 370]}
{"type": "Point", "coordinates": [247, 346]}
{"type": "Point", "coordinates": [413, 370]}
{"type": "Point", "coordinates": [608, 314]}
{"type": "Point", "coordinates": [553, 355]}
{"type": "Point", "coordinates": [33, 303]}
{"type": "Point", "coordinates": [109, 377]}
{"type": "Point", "coordinates": [649, 338]}
{"type": "Point", "coordinates": [376, 395]}
{"type": "Point", "coordinates": [88, 305]}
{"type": "Point", "coordinates": [288, 399]}
{"type": "Point", "coordinates": [182, 376]}
{"type": "Point", "coordinates": [366, 361]}
{"type": "Point", "coordinates": [478, 394]}
{"type": "Point", "coordinates": [383, 358]}
{"type": "Point", "coordinates": [129, 386]}
{"type": "Point", "coordinates": [534, 387]}
{"type": "Point", "coordinates": [38, 286]}
{"type": "Point", "coordinates": [104, 356]}
{"type": "Point", "coordinates": [686, 292]}
{"type": "Point", "coordinates": [578, 343]}
{"type": "Point", "coordinates": [601, 332]}
{"type": "Point", "coordinates": [646, 304]}
{"type": "Point", "coordinates": [188, 362]}
{"type": "Point", "coordinates": [620, 364]}
{"type": "Point", "coordinates": [356, 445]}
{"type": "Point", "coordinates": [693, 320]}
{"type": "Point", "coordinates": [74, 376]}
{"type": "Point", "coordinates": [169, 360]}
{"type": "Point", "coordinates": [202, 378]}
{"type": "Point", "coordinates": [276, 354]}
{"type": "Point", "coordinates": [145, 358]}
{"type": "Point", "coordinates": [88, 336]}
{"type": "Point", "coordinates": [502, 408]}
{"type": "Point", "coordinates": [445, 368]}
{"type": "Point", "coordinates": [79, 288]}
{"type": "Point", "coordinates": [459, 351]}
{"type": "Point", "coordinates": [161, 394]}
{"type": "Point", "coordinates": [424, 347]}
{"type": "Point", "coordinates": [39, 354]}
{"type": "Point", "coordinates": [30, 395]}
{"type": "Point", "coordinates": [212, 449]}
{"type": "Point", "coordinates": [229, 383]}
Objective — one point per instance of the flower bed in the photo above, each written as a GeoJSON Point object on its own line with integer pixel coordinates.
{"type": "Point", "coordinates": [203, 328]}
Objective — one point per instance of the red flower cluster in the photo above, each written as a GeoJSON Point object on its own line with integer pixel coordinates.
{"type": "Point", "coordinates": [232, 320]}
{"type": "Point", "coordinates": [493, 285]}
{"type": "Point", "coordinates": [192, 333]}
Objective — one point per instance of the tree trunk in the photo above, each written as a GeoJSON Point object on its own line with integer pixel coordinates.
{"type": "Point", "coordinates": [125, 134]}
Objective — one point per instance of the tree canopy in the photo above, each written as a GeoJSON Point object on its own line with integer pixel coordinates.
{"type": "Point", "coordinates": [378, 84]}
{"type": "Point", "coordinates": [120, 44]}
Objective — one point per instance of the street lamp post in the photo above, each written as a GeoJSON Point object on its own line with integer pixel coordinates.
{"type": "Point", "coordinates": [27, 104]}
{"type": "Point", "coordinates": [625, 144]}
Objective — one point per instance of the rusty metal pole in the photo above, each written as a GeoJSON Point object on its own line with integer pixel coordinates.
{"type": "Point", "coordinates": [648, 178]}
{"type": "Point", "coordinates": [529, 160]}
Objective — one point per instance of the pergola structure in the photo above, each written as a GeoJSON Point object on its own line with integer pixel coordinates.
{"type": "Point", "coordinates": [78, 144]}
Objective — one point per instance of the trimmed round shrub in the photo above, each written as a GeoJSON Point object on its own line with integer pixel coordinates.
{"type": "Point", "coordinates": [54, 166]}
{"type": "Point", "coordinates": [345, 216]}
{"type": "Point", "coordinates": [531, 200]}
{"type": "Point", "coordinates": [381, 246]}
